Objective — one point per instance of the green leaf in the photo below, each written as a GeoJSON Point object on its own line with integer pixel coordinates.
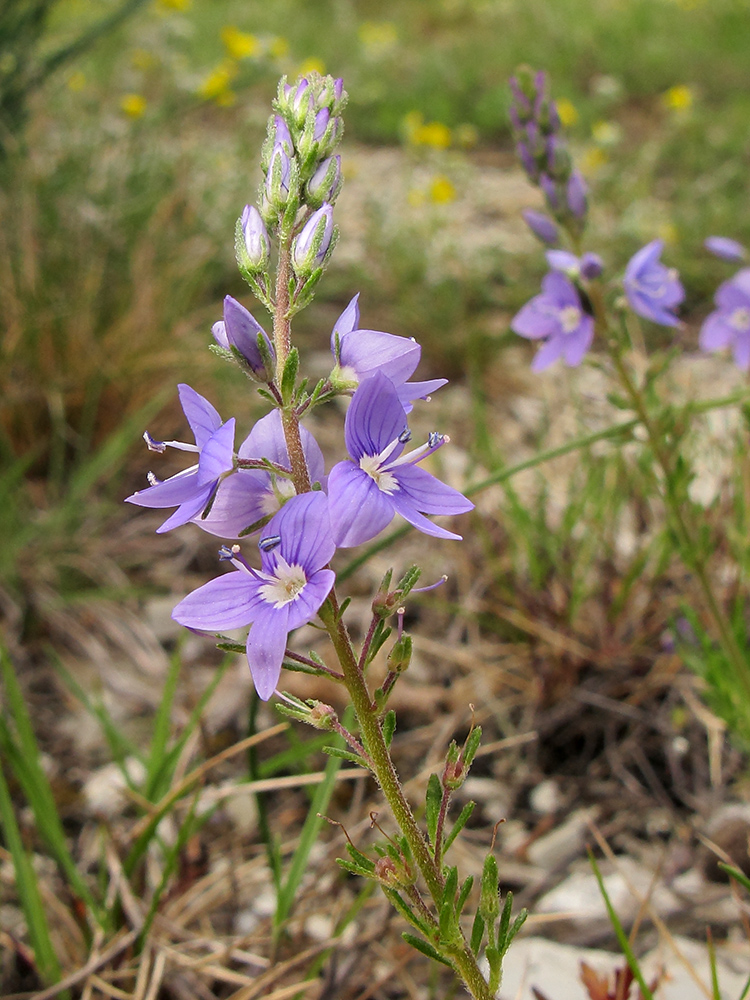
{"type": "Point", "coordinates": [353, 869]}
{"type": "Point", "coordinates": [406, 911]}
{"type": "Point", "coordinates": [389, 727]}
{"type": "Point", "coordinates": [463, 819]}
{"type": "Point", "coordinates": [477, 933]}
{"type": "Point", "coordinates": [736, 874]}
{"type": "Point", "coordinates": [432, 803]}
{"type": "Point", "coordinates": [447, 915]}
{"type": "Point", "coordinates": [426, 948]}
{"type": "Point", "coordinates": [345, 755]}
{"type": "Point", "coordinates": [472, 745]}
{"type": "Point", "coordinates": [289, 376]}
{"type": "Point", "coordinates": [464, 894]}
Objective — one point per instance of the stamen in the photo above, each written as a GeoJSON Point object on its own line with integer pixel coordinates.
{"type": "Point", "coordinates": [226, 554]}
{"type": "Point", "coordinates": [432, 586]}
{"type": "Point", "coordinates": [405, 435]}
{"type": "Point", "coordinates": [152, 445]}
{"type": "Point", "coordinates": [153, 480]}
{"type": "Point", "coordinates": [269, 543]}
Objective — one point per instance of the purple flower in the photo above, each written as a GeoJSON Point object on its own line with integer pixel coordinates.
{"type": "Point", "coordinates": [284, 594]}
{"type": "Point", "coordinates": [729, 324]}
{"type": "Point", "coordinates": [361, 353]}
{"type": "Point", "coordinates": [251, 495]}
{"type": "Point", "coordinates": [310, 247]}
{"type": "Point", "coordinates": [556, 316]}
{"type": "Point", "coordinates": [278, 177]}
{"type": "Point", "coordinates": [379, 481]}
{"type": "Point", "coordinates": [325, 183]}
{"type": "Point", "coordinates": [282, 136]}
{"type": "Point", "coordinates": [589, 266]}
{"type": "Point", "coordinates": [240, 330]}
{"type": "Point", "coordinates": [191, 491]}
{"type": "Point", "coordinates": [722, 246]}
{"type": "Point", "coordinates": [576, 195]}
{"type": "Point", "coordinates": [652, 289]}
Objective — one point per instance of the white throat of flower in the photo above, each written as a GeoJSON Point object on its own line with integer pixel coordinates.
{"type": "Point", "coordinates": [279, 491]}
{"type": "Point", "coordinates": [284, 586]}
{"type": "Point", "coordinates": [740, 319]}
{"type": "Point", "coordinates": [570, 318]}
{"type": "Point", "coordinates": [376, 468]}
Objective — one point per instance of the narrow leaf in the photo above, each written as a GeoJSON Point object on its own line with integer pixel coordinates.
{"type": "Point", "coordinates": [426, 948]}
{"type": "Point", "coordinates": [463, 819]}
{"type": "Point", "coordinates": [432, 803]}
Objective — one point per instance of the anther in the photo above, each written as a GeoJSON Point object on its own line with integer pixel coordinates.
{"type": "Point", "coordinates": [405, 435]}
{"type": "Point", "coordinates": [152, 445]}
{"type": "Point", "coordinates": [269, 543]}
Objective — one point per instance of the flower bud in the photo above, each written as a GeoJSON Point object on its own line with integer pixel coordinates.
{"type": "Point", "coordinates": [527, 160]}
{"type": "Point", "coordinates": [559, 162]}
{"type": "Point", "coordinates": [239, 332]}
{"type": "Point", "coordinates": [282, 136]}
{"type": "Point", "coordinates": [322, 716]}
{"type": "Point", "coordinates": [399, 657]}
{"type": "Point", "coordinates": [310, 248]}
{"type": "Point", "coordinates": [278, 177]}
{"type": "Point", "coordinates": [257, 243]}
{"type": "Point", "coordinates": [591, 266]}
{"type": "Point", "coordinates": [576, 195]}
{"type": "Point", "coordinates": [325, 183]}
{"type": "Point", "coordinates": [549, 188]}
{"type": "Point", "coordinates": [321, 124]}
{"type": "Point", "coordinates": [541, 226]}
{"type": "Point", "coordinates": [725, 248]}
{"type": "Point", "coordinates": [301, 101]}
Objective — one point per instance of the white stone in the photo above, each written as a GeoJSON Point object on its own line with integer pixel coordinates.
{"type": "Point", "coordinates": [562, 844]}
{"type": "Point", "coordinates": [104, 791]}
{"type": "Point", "coordinates": [546, 797]}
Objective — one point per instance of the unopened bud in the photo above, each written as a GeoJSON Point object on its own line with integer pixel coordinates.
{"type": "Point", "coordinates": [576, 195]}
{"type": "Point", "coordinates": [550, 191]}
{"type": "Point", "coordinates": [257, 243]}
{"type": "Point", "coordinates": [541, 226]}
{"type": "Point", "coordinates": [301, 101]}
{"type": "Point", "coordinates": [310, 248]}
{"type": "Point", "coordinates": [559, 162]}
{"type": "Point", "coordinates": [394, 874]}
{"type": "Point", "coordinates": [325, 183]}
{"type": "Point", "coordinates": [278, 177]}
{"type": "Point", "coordinates": [239, 332]}
{"type": "Point", "coordinates": [591, 266]}
{"type": "Point", "coordinates": [399, 657]}
{"type": "Point", "coordinates": [322, 716]}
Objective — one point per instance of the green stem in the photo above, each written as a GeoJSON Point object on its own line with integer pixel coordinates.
{"type": "Point", "coordinates": [684, 529]}
{"type": "Point", "coordinates": [385, 774]}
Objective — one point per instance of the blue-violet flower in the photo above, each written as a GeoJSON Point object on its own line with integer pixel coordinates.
{"type": "Point", "coordinates": [652, 289]}
{"type": "Point", "coordinates": [556, 316]}
{"type": "Point", "coordinates": [240, 330]}
{"type": "Point", "coordinates": [729, 324]}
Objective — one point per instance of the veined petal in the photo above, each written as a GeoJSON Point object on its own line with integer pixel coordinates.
{"type": "Point", "coordinates": [374, 419]}
{"type": "Point", "coordinates": [428, 494]}
{"type": "Point", "coordinates": [171, 492]}
{"type": "Point", "coordinates": [309, 600]}
{"type": "Point", "coordinates": [577, 343]}
{"type": "Point", "coordinates": [347, 321]}
{"type": "Point", "coordinates": [716, 333]}
{"type": "Point", "coordinates": [305, 531]}
{"type": "Point", "coordinates": [370, 351]}
{"type": "Point", "coordinates": [266, 643]}
{"type": "Point", "coordinates": [539, 318]}
{"type": "Point", "coordinates": [241, 500]}
{"type": "Point", "coordinates": [229, 601]}
{"type": "Point", "coordinates": [410, 391]}
{"type": "Point", "coordinates": [423, 524]}
{"type": "Point", "coordinates": [188, 509]}
{"type": "Point", "coordinates": [217, 454]}
{"type": "Point", "coordinates": [266, 440]}
{"type": "Point", "coordinates": [203, 418]}
{"type": "Point", "coordinates": [643, 259]}
{"type": "Point", "coordinates": [357, 508]}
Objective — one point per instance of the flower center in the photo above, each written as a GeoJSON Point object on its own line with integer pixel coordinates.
{"type": "Point", "coordinates": [279, 491]}
{"type": "Point", "coordinates": [385, 481]}
{"type": "Point", "coordinates": [740, 319]}
{"type": "Point", "coordinates": [287, 583]}
{"type": "Point", "coordinates": [570, 318]}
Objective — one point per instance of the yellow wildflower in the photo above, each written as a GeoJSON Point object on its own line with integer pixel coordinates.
{"type": "Point", "coordinates": [216, 84]}
{"type": "Point", "coordinates": [133, 105]}
{"type": "Point", "coordinates": [593, 160]}
{"type": "Point", "coordinates": [378, 38]}
{"type": "Point", "coordinates": [239, 44]}
{"type": "Point", "coordinates": [433, 134]}
{"type": "Point", "coordinates": [467, 135]}
{"type": "Point", "coordinates": [567, 111]}
{"type": "Point", "coordinates": [76, 81]}
{"type": "Point", "coordinates": [606, 133]}
{"type": "Point", "coordinates": [278, 47]}
{"type": "Point", "coordinates": [441, 190]}
{"type": "Point", "coordinates": [311, 65]}
{"type": "Point", "coordinates": [679, 98]}
{"type": "Point", "coordinates": [175, 4]}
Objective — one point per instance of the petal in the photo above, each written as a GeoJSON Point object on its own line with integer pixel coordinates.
{"type": "Point", "coordinates": [266, 440]}
{"type": "Point", "coordinates": [203, 418]}
{"type": "Point", "coordinates": [188, 509]}
{"type": "Point", "coordinates": [742, 350]}
{"type": "Point", "coordinates": [537, 319]}
{"type": "Point", "coordinates": [410, 391]}
{"type": "Point", "coordinates": [217, 455]}
{"type": "Point", "coordinates": [171, 492]}
{"type": "Point", "coordinates": [577, 343]}
{"type": "Point", "coordinates": [735, 293]}
{"type": "Point", "coordinates": [305, 531]}
{"type": "Point", "coordinates": [643, 259]}
{"type": "Point", "coordinates": [724, 247]}
{"type": "Point", "coordinates": [716, 333]}
{"type": "Point", "coordinates": [428, 494]}
{"type": "Point", "coordinates": [229, 601]}
{"type": "Point", "coordinates": [370, 351]}
{"type": "Point", "coordinates": [561, 290]}
{"type": "Point", "coordinates": [347, 321]}
{"type": "Point", "coordinates": [548, 353]}
{"type": "Point", "coordinates": [241, 500]}
{"type": "Point", "coordinates": [374, 419]}
{"type": "Point", "coordinates": [266, 643]}
{"type": "Point", "coordinates": [357, 508]}
{"type": "Point", "coordinates": [419, 521]}
{"type": "Point", "coordinates": [563, 260]}
{"type": "Point", "coordinates": [309, 600]}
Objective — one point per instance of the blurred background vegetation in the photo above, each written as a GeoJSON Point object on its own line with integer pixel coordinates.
{"type": "Point", "coordinates": [129, 133]}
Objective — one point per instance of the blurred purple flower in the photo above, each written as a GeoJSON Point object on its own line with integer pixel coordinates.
{"type": "Point", "coordinates": [250, 495]}
{"type": "Point", "coordinates": [722, 246]}
{"type": "Point", "coordinates": [240, 330]}
{"type": "Point", "coordinates": [576, 194]}
{"type": "Point", "coordinates": [192, 490]}
{"type": "Point", "coordinates": [379, 481]}
{"type": "Point", "coordinates": [588, 266]}
{"type": "Point", "coordinates": [360, 354]}
{"type": "Point", "coordinates": [284, 594]}
{"type": "Point", "coordinates": [556, 316]}
{"type": "Point", "coordinates": [652, 289]}
{"type": "Point", "coordinates": [541, 226]}
{"type": "Point", "coordinates": [729, 324]}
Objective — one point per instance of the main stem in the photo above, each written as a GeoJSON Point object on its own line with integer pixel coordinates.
{"type": "Point", "coordinates": [385, 774]}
